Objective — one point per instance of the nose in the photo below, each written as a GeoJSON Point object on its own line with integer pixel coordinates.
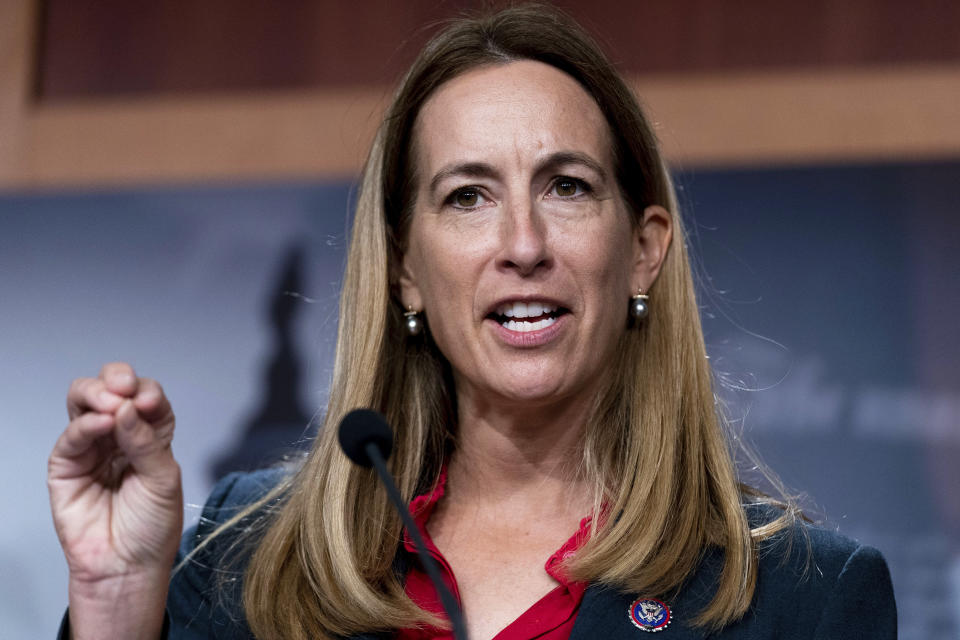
{"type": "Point", "coordinates": [523, 241]}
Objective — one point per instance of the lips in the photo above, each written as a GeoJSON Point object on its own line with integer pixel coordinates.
{"type": "Point", "coordinates": [528, 315]}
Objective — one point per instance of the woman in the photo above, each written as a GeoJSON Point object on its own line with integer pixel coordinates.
{"type": "Point", "coordinates": [514, 216]}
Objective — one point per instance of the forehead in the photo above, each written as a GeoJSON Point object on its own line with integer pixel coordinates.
{"type": "Point", "coordinates": [519, 109]}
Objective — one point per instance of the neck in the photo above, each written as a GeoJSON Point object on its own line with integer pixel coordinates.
{"type": "Point", "coordinates": [518, 453]}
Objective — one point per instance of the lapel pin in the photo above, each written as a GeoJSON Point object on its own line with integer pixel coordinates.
{"type": "Point", "coordinates": [649, 614]}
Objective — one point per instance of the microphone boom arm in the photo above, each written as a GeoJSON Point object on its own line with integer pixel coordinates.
{"type": "Point", "coordinates": [446, 598]}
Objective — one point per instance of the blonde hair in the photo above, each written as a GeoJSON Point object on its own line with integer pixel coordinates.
{"type": "Point", "coordinates": [654, 449]}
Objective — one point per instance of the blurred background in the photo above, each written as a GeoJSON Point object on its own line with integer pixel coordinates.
{"type": "Point", "coordinates": [175, 189]}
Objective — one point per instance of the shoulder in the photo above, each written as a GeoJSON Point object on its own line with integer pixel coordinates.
{"type": "Point", "coordinates": [237, 491]}
{"type": "Point", "coordinates": [812, 584]}
{"type": "Point", "coordinates": [810, 557]}
{"type": "Point", "coordinates": [206, 588]}
{"type": "Point", "coordinates": [231, 497]}
{"type": "Point", "coordinates": [821, 584]}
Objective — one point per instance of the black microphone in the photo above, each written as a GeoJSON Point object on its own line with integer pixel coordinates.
{"type": "Point", "coordinates": [367, 440]}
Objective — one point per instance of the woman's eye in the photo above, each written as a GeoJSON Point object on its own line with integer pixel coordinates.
{"type": "Point", "coordinates": [569, 187]}
{"type": "Point", "coordinates": [466, 198]}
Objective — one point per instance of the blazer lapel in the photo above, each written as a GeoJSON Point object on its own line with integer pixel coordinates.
{"type": "Point", "coordinates": [605, 613]}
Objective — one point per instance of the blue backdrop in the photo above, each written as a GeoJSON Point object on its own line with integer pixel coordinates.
{"type": "Point", "coordinates": [829, 297]}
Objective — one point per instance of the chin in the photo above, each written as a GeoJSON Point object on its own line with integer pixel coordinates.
{"type": "Point", "coordinates": [533, 392]}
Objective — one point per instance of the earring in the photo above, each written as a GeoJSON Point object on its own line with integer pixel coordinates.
{"type": "Point", "coordinates": [413, 322]}
{"type": "Point", "coordinates": [638, 305]}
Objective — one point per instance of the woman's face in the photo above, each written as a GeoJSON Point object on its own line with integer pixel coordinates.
{"type": "Point", "coordinates": [521, 251]}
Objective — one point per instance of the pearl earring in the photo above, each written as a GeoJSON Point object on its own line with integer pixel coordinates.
{"type": "Point", "coordinates": [413, 322]}
{"type": "Point", "coordinates": [638, 305]}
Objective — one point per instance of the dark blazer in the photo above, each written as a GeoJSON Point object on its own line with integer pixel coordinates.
{"type": "Point", "coordinates": [830, 589]}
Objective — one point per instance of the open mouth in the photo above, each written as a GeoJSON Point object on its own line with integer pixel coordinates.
{"type": "Point", "coordinates": [527, 316]}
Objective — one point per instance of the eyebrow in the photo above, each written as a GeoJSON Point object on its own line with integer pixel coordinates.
{"type": "Point", "coordinates": [485, 170]}
{"type": "Point", "coordinates": [572, 157]}
{"type": "Point", "coordinates": [465, 169]}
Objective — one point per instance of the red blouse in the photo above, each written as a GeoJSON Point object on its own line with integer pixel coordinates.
{"type": "Point", "coordinates": [550, 618]}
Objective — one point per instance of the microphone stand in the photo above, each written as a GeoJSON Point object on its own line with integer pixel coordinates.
{"type": "Point", "coordinates": [446, 598]}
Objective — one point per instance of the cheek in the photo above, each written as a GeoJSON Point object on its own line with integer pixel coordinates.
{"type": "Point", "coordinates": [441, 267]}
{"type": "Point", "coordinates": [604, 261]}
{"type": "Point", "coordinates": [447, 287]}
{"type": "Point", "coordinates": [447, 273]}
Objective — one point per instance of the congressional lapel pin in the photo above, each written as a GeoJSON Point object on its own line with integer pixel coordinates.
{"type": "Point", "coordinates": [649, 614]}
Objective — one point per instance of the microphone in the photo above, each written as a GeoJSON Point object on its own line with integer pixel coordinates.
{"type": "Point", "coordinates": [367, 440]}
{"type": "Point", "coordinates": [362, 427]}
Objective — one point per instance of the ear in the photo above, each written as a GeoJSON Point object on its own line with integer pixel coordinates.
{"type": "Point", "coordinates": [410, 296]}
{"type": "Point", "coordinates": [651, 243]}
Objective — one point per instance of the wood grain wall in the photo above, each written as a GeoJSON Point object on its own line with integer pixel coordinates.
{"type": "Point", "coordinates": [99, 92]}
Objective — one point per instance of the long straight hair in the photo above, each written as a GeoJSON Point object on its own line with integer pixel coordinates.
{"type": "Point", "coordinates": [655, 448]}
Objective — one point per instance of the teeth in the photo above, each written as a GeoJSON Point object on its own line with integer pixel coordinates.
{"type": "Point", "coordinates": [524, 326]}
{"type": "Point", "coordinates": [525, 309]}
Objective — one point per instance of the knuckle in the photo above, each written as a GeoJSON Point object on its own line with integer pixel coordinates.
{"type": "Point", "coordinates": [70, 438]}
{"type": "Point", "coordinates": [80, 395]}
{"type": "Point", "coordinates": [151, 399]}
{"type": "Point", "coordinates": [113, 369]}
{"type": "Point", "coordinates": [149, 384]}
{"type": "Point", "coordinates": [77, 385]}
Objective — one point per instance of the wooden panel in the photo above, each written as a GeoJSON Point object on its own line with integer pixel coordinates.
{"type": "Point", "coordinates": [128, 47]}
{"type": "Point", "coordinates": [710, 119]}
{"type": "Point", "coordinates": [712, 35]}
{"type": "Point", "coordinates": [713, 120]}
{"type": "Point", "coordinates": [124, 47]}
{"type": "Point", "coordinates": [16, 39]}
{"type": "Point", "coordinates": [808, 117]}
{"type": "Point", "coordinates": [201, 139]}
